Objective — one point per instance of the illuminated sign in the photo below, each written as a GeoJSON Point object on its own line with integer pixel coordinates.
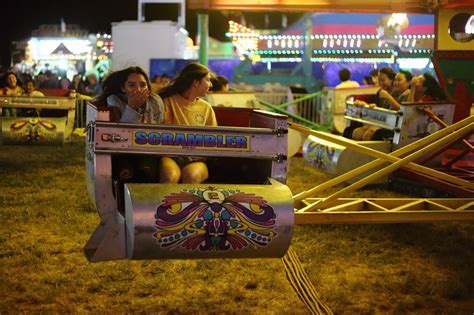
{"type": "Point", "coordinates": [191, 140]}
{"type": "Point", "coordinates": [33, 101]}
{"type": "Point", "coordinates": [44, 48]}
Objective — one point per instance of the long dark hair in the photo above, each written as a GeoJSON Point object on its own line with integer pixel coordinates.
{"type": "Point", "coordinates": [184, 80]}
{"type": "Point", "coordinates": [388, 72]}
{"type": "Point", "coordinates": [407, 74]}
{"type": "Point", "coordinates": [114, 81]}
{"type": "Point", "coordinates": [9, 73]}
{"type": "Point", "coordinates": [433, 88]}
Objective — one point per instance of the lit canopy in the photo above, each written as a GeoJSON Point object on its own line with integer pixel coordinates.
{"type": "Point", "coordinates": [389, 6]}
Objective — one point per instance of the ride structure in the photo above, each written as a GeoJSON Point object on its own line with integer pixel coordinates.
{"type": "Point", "coordinates": [453, 46]}
{"type": "Point", "coordinates": [243, 210]}
{"type": "Point", "coordinates": [39, 120]}
{"type": "Point", "coordinates": [154, 220]}
{"type": "Point", "coordinates": [240, 216]}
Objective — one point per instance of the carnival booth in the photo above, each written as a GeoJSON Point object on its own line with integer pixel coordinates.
{"type": "Point", "coordinates": [36, 120]}
{"type": "Point", "coordinates": [243, 210]}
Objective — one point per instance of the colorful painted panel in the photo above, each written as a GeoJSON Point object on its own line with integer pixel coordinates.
{"type": "Point", "coordinates": [30, 130]}
{"type": "Point", "coordinates": [322, 154]}
{"type": "Point", "coordinates": [212, 219]}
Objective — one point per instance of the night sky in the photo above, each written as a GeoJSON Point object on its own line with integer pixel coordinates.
{"type": "Point", "coordinates": [21, 17]}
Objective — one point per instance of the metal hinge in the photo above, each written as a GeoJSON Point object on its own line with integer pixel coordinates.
{"type": "Point", "coordinates": [279, 158]}
{"type": "Point", "coordinates": [113, 138]}
{"type": "Point", "coordinates": [281, 131]}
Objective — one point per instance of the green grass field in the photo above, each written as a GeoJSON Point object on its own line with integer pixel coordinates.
{"type": "Point", "coordinates": [47, 218]}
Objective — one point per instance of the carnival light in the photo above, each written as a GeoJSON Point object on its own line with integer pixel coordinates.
{"type": "Point", "coordinates": [396, 19]}
{"type": "Point", "coordinates": [469, 28]}
{"type": "Point", "coordinates": [281, 46]}
{"type": "Point", "coordinates": [244, 39]}
{"type": "Point", "coordinates": [43, 48]}
{"type": "Point", "coordinates": [414, 63]}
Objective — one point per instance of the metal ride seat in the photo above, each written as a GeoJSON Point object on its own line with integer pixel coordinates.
{"type": "Point", "coordinates": [37, 120]}
{"type": "Point", "coordinates": [233, 99]}
{"type": "Point", "coordinates": [404, 126]}
{"type": "Point", "coordinates": [243, 210]}
{"type": "Point", "coordinates": [332, 104]}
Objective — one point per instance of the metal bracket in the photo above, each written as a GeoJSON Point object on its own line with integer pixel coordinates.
{"type": "Point", "coordinates": [281, 131]}
{"type": "Point", "coordinates": [279, 158]}
{"type": "Point", "coordinates": [113, 138]}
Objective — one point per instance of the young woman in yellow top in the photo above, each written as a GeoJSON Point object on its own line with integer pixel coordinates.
{"type": "Point", "coordinates": [183, 106]}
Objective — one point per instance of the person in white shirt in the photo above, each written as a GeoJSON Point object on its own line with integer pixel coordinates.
{"type": "Point", "coordinates": [345, 77]}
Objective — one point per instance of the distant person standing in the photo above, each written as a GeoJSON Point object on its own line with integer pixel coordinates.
{"type": "Point", "coordinates": [92, 86]}
{"type": "Point", "coordinates": [220, 84]}
{"type": "Point", "coordinates": [63, 81]}
{"type": "Point", "coordinates": [345, 78]}
{"type": "Point", "coordinates": [368, 80]}
{"type": "Point", "coordinates": [77, 84]}
{"type": "Point", "coordinates": [165, 80]}
{"type": "Point", "coordinates": [51, 81]}
{"type": "Point", "coordinates": [375, 76]}
{"type": "Point", "coordinates": [159, 82]}
{"type": "Point", "coordinates": [41, 80]}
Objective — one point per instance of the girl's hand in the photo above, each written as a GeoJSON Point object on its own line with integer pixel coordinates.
{"type": "Point", "coordinates": [415, 83]}
{"type": "Point", "coordinates": [384, 94]}
{"type": "Point", "coordinates": [138, 98]}
{"type": "Point", "coordinates": [359, 103]}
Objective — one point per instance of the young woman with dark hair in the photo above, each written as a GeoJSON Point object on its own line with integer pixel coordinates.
{"type": "Point", "coordinates": [401, 90]}
{"type": "Point", "coordinates": [386, 76]}
{"type": "Point", "coordinates": [184, 106]}
{"type": "Point", "coordinates": [128, 95]}
{"type": "Point", "coordinates": [12, 88]}
{"type": "Point", "coordinates": [425, 88]}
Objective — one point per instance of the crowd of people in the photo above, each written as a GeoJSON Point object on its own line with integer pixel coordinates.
{"type": "Point", "coordinates": [395, 89]}
{"type": "Point", "coordinates": [12, 84]}
{"type": "Point", "coordinates": [132, 97]}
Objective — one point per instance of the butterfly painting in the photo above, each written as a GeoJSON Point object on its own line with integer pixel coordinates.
{"type": "Point", "coordinates": [32, 130]}
{"type": "Point", "coordinates": [211, 219]}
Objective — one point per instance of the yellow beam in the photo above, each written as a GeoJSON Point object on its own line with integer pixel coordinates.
{"type": "Point", "coordinates": [390, 168]}
{"type": "Point", "coordinates": [389, 210]}
{"type": "Point", "coordinates": [382, 156]}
